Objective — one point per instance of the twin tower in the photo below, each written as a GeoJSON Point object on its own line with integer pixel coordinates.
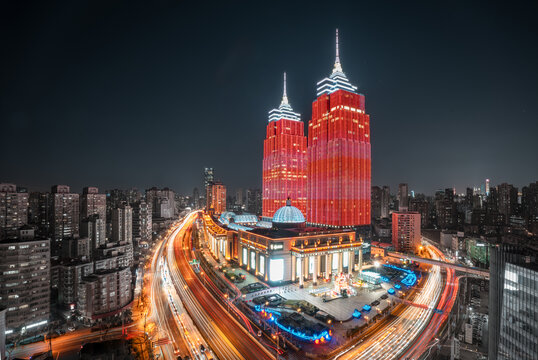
{"type": "Point", "coordinates": [328, 178]}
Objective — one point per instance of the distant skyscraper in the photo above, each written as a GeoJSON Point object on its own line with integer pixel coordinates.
{"type": "Point", "coordinates": [284, 159]}
{"type": "Point", "coordinates": [122, 224]}
{"type": "Point", "coordinates": [385, 202]}
{"type": "Point", "coordinates": [403, 197]}
{"type": "Point", "coordinates": [406, 231]}
{"type": "Point", "coordinates": [339, 154]}
{"type": "Point", "coordinates": [254, 201]}
{"type": "Point", "coordinates": [208, 176]}
{"type": "Point", "coordinates": [377, 195]}
{"type": "Point", "coordinates": [513, 295]}
{"type": "Point", "coordinates": [487, 187]}
{"type": "Point", "coordinates": [13, 209]}
{"type": "Point", "coordinates": [239, 194]}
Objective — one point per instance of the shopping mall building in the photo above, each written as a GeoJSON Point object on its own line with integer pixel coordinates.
{"type": "Point", "coordinates": [287, 251]}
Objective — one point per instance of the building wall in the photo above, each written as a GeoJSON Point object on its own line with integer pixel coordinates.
{"type": "Point", "coordinates": [339, 161]}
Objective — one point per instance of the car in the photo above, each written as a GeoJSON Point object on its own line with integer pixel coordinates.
{"type": "Point", "coordinates": [202, 348]}
{"type": "Point", "coordinates": [384, 296]}
{"type": "Point", "coordinates": [375, 303]}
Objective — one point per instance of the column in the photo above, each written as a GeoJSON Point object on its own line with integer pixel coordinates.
{"type": "Point", "coordinates": [301, 278]}
{"type": "Point", "coordinates": [315, 270]}
{"type": "Point", "coordinates": [340, 262]}
{"type": "Point", "coordinates": [318, 268]}
{"type": "Point", "coordinates": [328, 265]}
{"type": "Point", "coordinates": [293, 268]}
{"type": "Point", "coordinates": [306, 266]}
{"type": "Point", "coordinates": [360, 259]}
{"type": "Point", "coordinates": [351, 262]}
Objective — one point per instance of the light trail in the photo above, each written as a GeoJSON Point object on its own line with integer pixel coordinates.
{"type": "Point", "coordinates": [399, 333]}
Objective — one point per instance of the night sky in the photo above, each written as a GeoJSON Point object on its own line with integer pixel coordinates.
{"type": "Point", "coordinates": [121, 95]}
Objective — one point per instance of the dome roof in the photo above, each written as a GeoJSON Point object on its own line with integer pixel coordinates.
{"type": "Point", "coordinates": [288, 215]}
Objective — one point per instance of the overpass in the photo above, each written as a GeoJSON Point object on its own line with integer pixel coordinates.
{"type": "Point", "coordinates": [466, 269]}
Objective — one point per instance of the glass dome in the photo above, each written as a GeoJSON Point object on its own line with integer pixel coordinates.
{"type": "Point", "coordinates": [288, 215]}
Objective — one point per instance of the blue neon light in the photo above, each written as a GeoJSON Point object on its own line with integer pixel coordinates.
{"type": "Point", "coordinates": [391, 291]}
{"type": "Point", "coordinates": [398, 286]}
{"type": "Point", "coordinates": [409, 280]}
{"type": "Point", "coordinates": [275, 315]}
{"type": "Point", "coordinates": [357, 314]}
{"type": "Point", "coordinates": [366, 308]}
{"type": "Point", "coordinates": [384, 279]}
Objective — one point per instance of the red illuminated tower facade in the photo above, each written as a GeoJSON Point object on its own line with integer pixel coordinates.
{"type": "Point", "coordinates": [339, 154]}
{"type": "Point", "coordinates": [284, 159]}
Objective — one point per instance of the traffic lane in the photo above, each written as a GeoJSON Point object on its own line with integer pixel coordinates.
{"type": "Point", "coordinates": [236, 333]}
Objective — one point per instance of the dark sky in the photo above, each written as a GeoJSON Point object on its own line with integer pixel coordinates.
{"type": "Point", "coordinates": [135, 94]}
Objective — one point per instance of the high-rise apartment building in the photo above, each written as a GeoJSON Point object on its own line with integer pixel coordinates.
{"type": "Point", "coordinates": [94, 228]}
{"type": "Point", "coordinates": [142, 222]}
{"type": "Point", "coordinates": [13, 210]}
{"type": "Point", "coordinates": [406, 231]}
{"type": "Point", "coordinates": [218, 197]}
{"type": "Point", "coordinates": [93, 204]}
{"type": "Point", "coordinates": [122, 224]}
{"type": "Point", "coordinates": [513, 295]}
{"type": "Point", "coordinates": [64, 215]}
{"type": "Point", "coordinates": [284, 159]}
{"type": "Point", "coordinates": [403, 197]}
{"type": "Point", "coordinates": [506, 200]}
{"type": "Point", "coordinates": [162, 202]}
{"type": "Point", "coordinates": [25, 282]}
{"type": "Point", "coordinates": [339, 154]}
{"type": "Point", "coordinates": [104, 293]}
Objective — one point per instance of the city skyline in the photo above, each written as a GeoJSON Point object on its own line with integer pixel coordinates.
{"type": "Point", "coordinates": [408, 77]}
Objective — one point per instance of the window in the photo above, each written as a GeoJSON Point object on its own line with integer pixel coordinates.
{"type": "Point", "coordinates": [245, 256]}
{"type": "Point", "coordinates": [276, 270]}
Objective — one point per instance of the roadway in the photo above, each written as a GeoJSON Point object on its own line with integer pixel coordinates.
{"type": "Point", "coordinates": [225, 335]}
{"type": "Point", "coordinates": [399, 333]}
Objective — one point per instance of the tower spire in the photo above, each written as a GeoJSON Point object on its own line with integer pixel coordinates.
{"type": "Point", "coordinates": [285, 95]}
{"type": "Point", "coordinates": [337, 65]}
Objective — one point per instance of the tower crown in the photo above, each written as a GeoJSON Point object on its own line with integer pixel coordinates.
{"type": "Point", "coordinates": [284, 111]}
{"type": "Point", "coordinates": [337, 80]}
